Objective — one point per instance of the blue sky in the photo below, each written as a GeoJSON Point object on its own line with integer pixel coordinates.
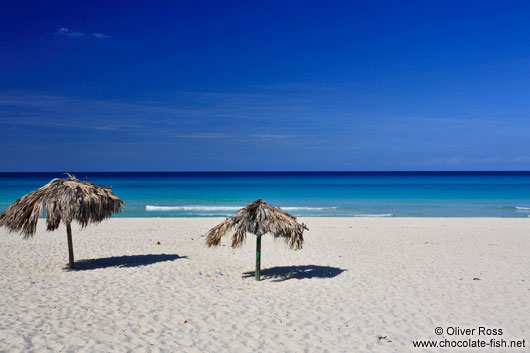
{"type": "Point", "coordinates": [276, 85]}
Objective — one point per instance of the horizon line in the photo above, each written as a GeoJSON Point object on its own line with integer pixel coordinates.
{"type": "Point", "coordinates": [276, 171]}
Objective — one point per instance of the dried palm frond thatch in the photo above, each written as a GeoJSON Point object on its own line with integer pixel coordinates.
{"type": "Point", "coordinates": [259, 218]}
{"type": "Point", "coordinates": [64, 200]}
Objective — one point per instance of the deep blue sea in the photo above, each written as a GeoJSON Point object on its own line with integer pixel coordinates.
{"type": "Point", "coordinates": [329, 194]}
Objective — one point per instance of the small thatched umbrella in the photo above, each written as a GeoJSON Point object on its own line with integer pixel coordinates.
{"type": "Point", "coordinates": [64, 199]}
{"type": "Point", "coordinates": [259, 218]}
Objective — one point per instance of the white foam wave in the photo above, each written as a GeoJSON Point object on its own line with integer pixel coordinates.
{"type": "Point", "coordinates": [307, 208]}
{"type": "Point", "coordinates": [191, 208]}
{"type": "Point", "coordinates": [374, 215]}
{"type": "Point", "coordinates": [225, 208]}
{"type": "Point", "coordinates": [520, 208]}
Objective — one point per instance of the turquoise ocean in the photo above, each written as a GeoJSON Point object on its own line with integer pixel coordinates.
{"type": "Point", "coordinates": [315, 194]}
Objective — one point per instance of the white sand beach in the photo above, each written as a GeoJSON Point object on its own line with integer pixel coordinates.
{"type": "Point", "coordinates": [359, 285]}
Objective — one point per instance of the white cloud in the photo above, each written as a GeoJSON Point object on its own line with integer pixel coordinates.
{"type": "Point", "coordinates": [272, 136]}
{"type": "Point", "coordinates": [185, 122]}
{"type": "Point", "coordinates": [67, 32]}
{"type": "Point", "coordinates": [459, 160]}
{"type": "Point", "coordinates": [100, 35]}
{"type": "Point", "coordinates": [522, 159]}
{"type": "Point", "coordinates": [203, 135]}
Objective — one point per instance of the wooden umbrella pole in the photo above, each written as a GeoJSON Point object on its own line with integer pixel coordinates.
{"type": "Point", "coordinates": [70, 245]}
{"type": "Point", "coordinates": [258, 257]}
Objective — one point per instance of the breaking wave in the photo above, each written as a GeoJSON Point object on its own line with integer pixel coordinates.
{"type": "Point", "coordinates": [191, 208]}
{"type": "Point", "coordinates": [374, 215]}
{"type": "Point", "coordinates": [307, 208]}
{"type": "Point", "coordinates": [225, 208]}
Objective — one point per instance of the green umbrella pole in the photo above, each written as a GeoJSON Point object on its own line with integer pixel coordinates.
{"type": "Point", "coordinates": [258, 257]}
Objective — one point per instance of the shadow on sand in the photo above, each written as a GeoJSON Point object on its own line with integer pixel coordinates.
{"type": "Point", "coordinates": [124, 261]}
{"type": "Point", "coordinates": [283, 273]}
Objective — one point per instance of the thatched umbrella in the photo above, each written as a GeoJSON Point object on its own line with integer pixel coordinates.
{"type": "Point", "coordinates": [259, 218]}
{"type": "Point", "coordinates": [64, 199]}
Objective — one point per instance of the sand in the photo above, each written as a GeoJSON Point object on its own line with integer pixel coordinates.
{"type": "Point", "coordinates": [359, 285]}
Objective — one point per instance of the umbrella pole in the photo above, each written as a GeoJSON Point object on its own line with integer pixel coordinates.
{"type": "Point", "coordinates": [258, 257]}
{"type": "Point", "coordinates": [70, 245]}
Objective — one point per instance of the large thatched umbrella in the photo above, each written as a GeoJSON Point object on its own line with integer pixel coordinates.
{"type": "Point", "coordinates": [259, 218]}
{"type": "Point", "coordinates": [64, 199]}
